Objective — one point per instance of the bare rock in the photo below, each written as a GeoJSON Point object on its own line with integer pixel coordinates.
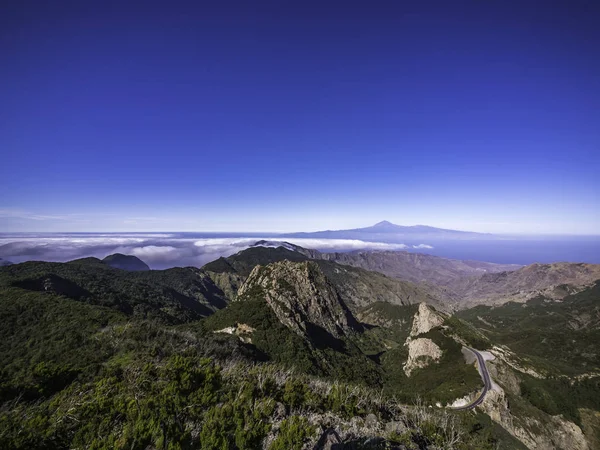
{"type": "Point", "coordinates": [425, 319]}
{"type": "Point", "coordinates": [301, 297]}
{"type": "Point", "coordinates": [421, 353]}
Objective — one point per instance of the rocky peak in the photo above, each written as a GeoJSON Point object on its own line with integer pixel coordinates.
{"type": "Point", "coordinates": [302, 298]}
{"type": "Point", "coordinates": [425, 319]}
{"type": "Point", "coordinates": [422, 351]}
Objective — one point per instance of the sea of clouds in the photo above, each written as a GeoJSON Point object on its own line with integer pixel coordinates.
{"type": "Point", "coordinates": [159, 250]}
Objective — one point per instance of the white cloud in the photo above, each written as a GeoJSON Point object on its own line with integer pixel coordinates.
{"type": "Point", "coordinates": [344, 244]}
{"type": "Point", "coordinates": [422, 246]}
{"type": "Point", "coordinates": [159, 251]}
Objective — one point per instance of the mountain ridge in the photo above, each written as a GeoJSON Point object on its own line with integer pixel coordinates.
{"type": "Point", "coordinates": [357, 286]}
{"type": "Point", "coordinates": [463, 284]}
{"type": "Point", "coordinates": [169, 334]}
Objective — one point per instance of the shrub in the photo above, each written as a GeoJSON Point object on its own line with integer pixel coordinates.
{"type": "Point", "coordinates": [293, 433]}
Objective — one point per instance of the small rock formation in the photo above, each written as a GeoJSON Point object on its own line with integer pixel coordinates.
{"type": "Point", "coordinates": [302, 298]}
{"type": "Point", "coordinates": [425, 319]}
{"type": "Point", "coordinates": [421, 353]}
{"type": "Point", "coordinates": [241, 330]}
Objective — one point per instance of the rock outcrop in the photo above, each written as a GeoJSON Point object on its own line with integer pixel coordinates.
{"type": "Point", "coordinates": [357, 287]}
{"type": "Point", "coordinates": [302, 298]}
{"type": "Point", "coordinates": [425, 319]}
{"type": "Point", "coordinates": [241, 330]}
{"type": "Point", "coordinates": [421, 353]}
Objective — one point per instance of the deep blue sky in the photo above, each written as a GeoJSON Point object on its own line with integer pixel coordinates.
{"type": "Point", "coordinates": [281, 116]}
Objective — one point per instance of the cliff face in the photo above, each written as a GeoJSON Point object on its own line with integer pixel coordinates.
{"type": "Point", "coordinates": [302, 298]}
{"type": "Point", "coordinates": [425, 319]}
{"type": "Point", "coordinates": [422, 351]}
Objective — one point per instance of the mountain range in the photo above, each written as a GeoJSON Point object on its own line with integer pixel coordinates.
{"type": "Point", "coordinates": [279, 347]}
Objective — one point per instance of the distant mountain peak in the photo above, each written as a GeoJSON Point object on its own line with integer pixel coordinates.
{"type": "Point", "coordinates": [385, 228]}
{"type": "Point", "coordinates": [126, 262]}
{"type": "Point", "coordinates": [385, 225]}
{"type": "Point", "coordinates": [276, 244]}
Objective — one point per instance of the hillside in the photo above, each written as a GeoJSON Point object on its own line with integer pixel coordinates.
{"type": "Point", "coordinates": [557, 337]}
{"type": "Point", "coordinates": [463, 284]}
{"type": "Point", "coordinates": [68, 342]}
{"type": "Point", "coordinates": [546, 359]}
{"type": "Point", "coordinates": [357, 287]}
{"type": "Point", "coordinates": [550, 280]}
{"type": "Point", "coordinates": [172, 296]}
{"type": "Point", "coordinates": [416, 267]}
{"type": "Point", "coordinates": [304, 350]}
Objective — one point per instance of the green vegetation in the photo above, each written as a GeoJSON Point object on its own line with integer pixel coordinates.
{"type": "Point", "coordinates": [280, 344]}
{"type": "Point", "coordinates": [556, 337]}
{"type": "Point", "coordinates": [94, 357]}
{"type": "Point", "coordinates": [562, 396]}
{"type": "Point", "coordinates": [444, 381]}
{"type": "Point", "coordinates": [169, 296]}
{"type": "Point", "coordinates": [293, 433]}
{"type": "Point", "coordinates": [391, 323]}
{"type": "Point", "coordinates": [46, 341]}
{"type": "Point", "coordinates": [270, 335]}
{"type": "Point", "coordinates": [467, 332]}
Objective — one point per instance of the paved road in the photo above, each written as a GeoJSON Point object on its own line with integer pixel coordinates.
{"type": "Point", "coordinates": [487, 382]}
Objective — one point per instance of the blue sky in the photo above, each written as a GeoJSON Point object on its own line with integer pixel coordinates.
{"type": "Point", "coordinates": [289, 116]}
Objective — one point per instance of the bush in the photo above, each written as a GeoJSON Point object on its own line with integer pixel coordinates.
{"type": "Point", "coordinates": [293, 433]}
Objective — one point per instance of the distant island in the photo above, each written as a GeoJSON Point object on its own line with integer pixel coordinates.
{"type": "Point", "coordinates": [385, 230]}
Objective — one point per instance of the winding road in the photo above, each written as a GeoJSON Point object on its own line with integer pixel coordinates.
{"type": "Point", "coordinates": [487, 382]}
